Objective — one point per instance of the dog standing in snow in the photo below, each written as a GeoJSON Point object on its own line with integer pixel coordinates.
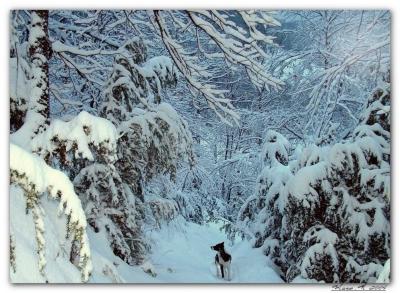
{"type": "Point", "coordinates": [222, 261]}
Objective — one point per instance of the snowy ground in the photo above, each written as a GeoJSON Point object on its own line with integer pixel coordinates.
{"type": "Point", "coordinates": [183, 255]}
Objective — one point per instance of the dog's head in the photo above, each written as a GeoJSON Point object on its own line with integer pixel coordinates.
{"type": "Point", "coordinates": [218, 247]}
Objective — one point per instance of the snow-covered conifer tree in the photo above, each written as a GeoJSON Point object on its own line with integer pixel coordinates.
{"type": "Point", "coordinates": [152, 139]}
{"type": "Point", "coordinates": [29, 172]}
{"type": "Point", "coordinates": [261, 215]}
{"type": "Point", "coordinates": [326, 217]}
{"type": "Point", "coordinates": [336, 211]}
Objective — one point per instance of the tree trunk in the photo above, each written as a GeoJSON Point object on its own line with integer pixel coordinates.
{"type": "Point", "coordinates": [39, 53]}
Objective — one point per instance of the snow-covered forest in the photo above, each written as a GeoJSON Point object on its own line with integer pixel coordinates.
{"type": "Point", "coordinates": [140, 138]}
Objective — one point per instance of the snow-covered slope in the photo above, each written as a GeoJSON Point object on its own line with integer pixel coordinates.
{"type": "Point", "coordinates": [181, 254]}
{"type": "Point", "coordinates": [58, 268]}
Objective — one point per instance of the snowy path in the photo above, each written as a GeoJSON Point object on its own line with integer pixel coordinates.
{"type": "Point", "coordinates": [185, 257]}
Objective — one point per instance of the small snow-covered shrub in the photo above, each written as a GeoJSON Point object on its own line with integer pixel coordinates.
{"type": "Point", "coordinates": [168, 199]}
{"type": "Point", "coordinates": [148, 268]}
{"type": "Point", "coordinates": [163, 210]}
{"type": "Point", "coordinates": [111, 206]}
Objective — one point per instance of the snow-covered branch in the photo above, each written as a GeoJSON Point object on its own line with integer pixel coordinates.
{"type": "Point", "coordinates": [36, 177]}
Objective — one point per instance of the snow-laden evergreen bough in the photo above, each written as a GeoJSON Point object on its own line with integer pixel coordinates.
{"type": "Point", "coordinates": [327, 217]}
{"type": "Point", "coordinates": [36, 178]}
{"type": "Point", "coordinates": [261, 216]}
{"type": "Point", "coordinates": [151, 138]}
{"type": "Point", "coordinates": [85, 148]}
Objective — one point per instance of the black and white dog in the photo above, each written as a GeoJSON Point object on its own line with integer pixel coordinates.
{"type": "Point", "coordinates": [222, 261]}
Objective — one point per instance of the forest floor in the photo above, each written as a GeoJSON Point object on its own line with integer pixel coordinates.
{"type": "Point", "coordinates": [182, 254]}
